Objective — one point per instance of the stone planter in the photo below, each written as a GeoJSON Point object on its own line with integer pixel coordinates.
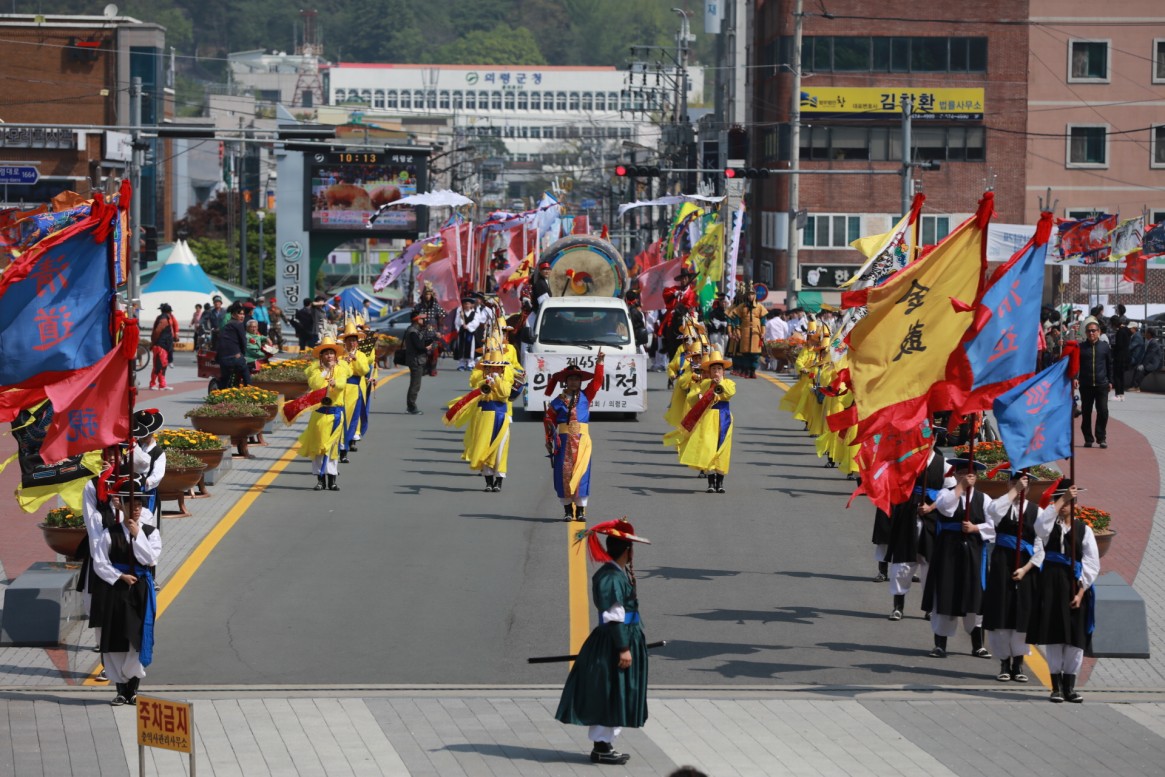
{"type": "Point", "coordinates": [212, 460]}
{"type": "Point", "coordinates": [64, 540]}
{"type": "Point", "coordinates": [175, 483]}
{"type": "Point", "coordinates": [238, 428]}
{"type": "Point", "coordinates": [1103, 540]}
{"type": "Point", "coordinates": [997, 488]}
{"type": "Point", "coordinates": [289, 389]}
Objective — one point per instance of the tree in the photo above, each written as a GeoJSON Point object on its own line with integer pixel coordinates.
{"type": "Point", "coordinates": [503, 45]}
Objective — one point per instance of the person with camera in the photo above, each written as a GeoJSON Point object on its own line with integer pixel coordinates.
{"type": "Point", "coordinates": [419, 344]}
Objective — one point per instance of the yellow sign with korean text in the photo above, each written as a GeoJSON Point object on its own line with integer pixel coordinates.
{"type": "Point", "coordinates": [165, 723]}
{"type": "Point", "coordinates": [883, 102]}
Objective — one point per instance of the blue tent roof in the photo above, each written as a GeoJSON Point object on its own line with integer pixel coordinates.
{"type": "Point", "coordinates": [181, 273]}
{"type": "Point", "coordinates": [352, 301]}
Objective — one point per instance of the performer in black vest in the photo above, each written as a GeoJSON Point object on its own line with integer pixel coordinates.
{"type": "Point", "coordinates": [954, 582]}
{"type": "Point", "coordinates": [911, 532]}
{"type": "Point", "coordinates": [1063, 619]}
{"type": "Point", "coordinates": [122, 557]}
{"type": "Point", "coordinates": [149, 461]}
{"type": "Point", "coordinates": [1012, 577]}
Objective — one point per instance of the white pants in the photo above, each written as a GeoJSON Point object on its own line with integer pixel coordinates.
{"type": "Point", "coordinates": [578, 500]}
{"type": "Point", "coordinates": [1063, 659]}
{"type": "Point", "coordinates": [902, 575]}
{"type": "Point", "coordinates": [947, 625]}
{"type": "Point", "coordinates": [489, 471]}
{"type": "Point", "coordinates": [603, 733]}
{"type": "Point", "coordinates": [880, 552]}
{"type": "Point", "coordinates": [324, 465]}
{"type": "Point", "coordinates": [1008, 643]}
{"type": "Point", "coordinates": [122, 667]}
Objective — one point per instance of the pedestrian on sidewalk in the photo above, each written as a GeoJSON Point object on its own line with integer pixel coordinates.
{"type": "Point", "coordinates": [1012, 578]}
{"type": "Point", "coordinates": [1121, 343]}
{"type": "Point", "coordinates": [568, 438]}
{"type": "Point", "coordinates": [607, 686]}
{"type": "Point", "coordinates": [954, 588]}
{"type": "Point", "coordinates": [1062, 622]}
{"type": "Point", "coordinates": [123, 556]}
{"type": "Point", "coordinates": [320, 441]}
{"type": "Point", "coordinates": [232, 350]}
{"type": "Point", "coordinates": [1153, 360]}
{"type": "Point", "coordinates": [1094, 382]}
{"type": "Point", "coordinates": [162, 345]}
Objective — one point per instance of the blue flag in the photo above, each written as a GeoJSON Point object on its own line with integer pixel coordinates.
{"type": "Point", "coordinates": [1007, 346]}
{"type": "Point", "coordinates": [1035, 418]}
{"type": "Point", "coordinates": [55, 308]}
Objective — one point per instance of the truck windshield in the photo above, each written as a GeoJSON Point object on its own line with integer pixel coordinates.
{"type": "Point", "coordinates": [584, 326]}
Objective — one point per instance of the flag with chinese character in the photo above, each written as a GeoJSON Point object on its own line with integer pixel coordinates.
{"type": "Point", "coordinates": [708, 254]}
{"type": "Point", "coordinates": [1035, 417]}
{"type": "Point", "coordinates": [890, 464]}
{"type": "Point", "coordinates": [653, 281]}
{"type": "Point", "coordinates": [1135, 267]}
{"type": "Point", "coordinates": [40, 482]}
{"type": "Point", "coordinates": [915, 319]}
{"type": "Point", "coordinates": [1154, 241]}
{"type": "Point", "coordinates": [55, 304]}
{"type": "Point", "coordinates": [1128, 236]}
{"type": "Point", "coordinates": [1002, 346]}
{"type": "Point", "coordinates": [90, 409]}
{"type": "Point", "coordinates": [1087, 239]}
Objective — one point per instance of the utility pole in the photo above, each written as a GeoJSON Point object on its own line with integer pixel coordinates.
{"type": "Point", "coordinates": [133, 291]}
{"type": "Point", "coordinates": [795, 160]}
{"type": "Point", "coordinates": [907, 160]}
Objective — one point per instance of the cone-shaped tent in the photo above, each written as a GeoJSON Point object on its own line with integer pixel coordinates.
{"type": "Point", "coordinates": [182, 283]}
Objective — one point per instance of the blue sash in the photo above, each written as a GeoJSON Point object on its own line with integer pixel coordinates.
{"type": "Point", "coordinates": [1008, 541]}
{"type": "Point", "coordinates": [631, 617]}
{"type": "Point", "coordinates": [1089, 603]}
{"type": "Point", "coordinates": [146, 654]}
{"type": "Point", "coordinates": [941, 526]}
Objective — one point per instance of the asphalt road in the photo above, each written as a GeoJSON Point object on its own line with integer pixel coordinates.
{"type": "Point", "coordinates": [411, 574]}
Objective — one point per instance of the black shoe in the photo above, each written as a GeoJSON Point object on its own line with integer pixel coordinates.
{"type": "Point", "coordinates": [915, 579]}
{"type": "Point", "coordinates": [711, 489]}
{"type": "Point", "coordinates": [580, 514]}
{"type": "Point", "coordinates": [1103, 444]}
{"type": "Point", "coordinates": [1004, 675]}
{"type": "Point", "coordinates": [604, 753]}
{"type": "Point", "coordinates": [937, 652]}
{"type": "Point", "coordinates": [498, 483]}
{"type": "Point", "coordinates": [332, 485]}
{"type": "Point", "coordinates": [320, 484]}
{"type": "Point", "coordinates": [102, 677]}
{"type": "Point", "coordinates": [1068, 686]}
{"type": "Point", "coordinates": [415, 411]}
{"type": "Point", "coordinates": [1087, 444]}
{"type": "Point", "coordinates": [977, 649]}
{"type": "Point", "coordinates": [351, 448]}
{"type": "Point", "coordinates": [568, 513]}
{"type": "Point", "coordinates": [489, 483]}
{"type": "Point", "coordinates": [120, 699]}
{"type": "Point", "coordinates": [1056, 697]}
{"type": "Point", "coordinates": [132, 690]}
{"type": "Point", "coordinates": [1017, 674]}
{"type": "Point", "coordinates": [344, 458]}
{"type": "Point", "coordinates": [720, 484]}
{"type": "Point", "coordinates": [880, 577]}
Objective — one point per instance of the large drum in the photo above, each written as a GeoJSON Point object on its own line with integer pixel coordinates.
{"type": "Point", "coordinates": [582, 266]}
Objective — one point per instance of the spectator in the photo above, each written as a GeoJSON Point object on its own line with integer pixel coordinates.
{"type": "Point", "coordinates": [262, 315]}
{"type": "Point", "coordinates": [232, 350]}
{"type": "Point", "coordinates": [319, 319]}
{"type": "Point", "coordinates": [304, 325]}
{"type": "Point", "coordinates": [1094, 382]}
{"type": "Point", "coordinates": [1153, 360]}
{"type": "Point", "coordinates": [195, 320]}
{"type": "Point", "coordinates": [1120, 340]}
{"type": "Point", "coordinates": [278, 319]}
{"type": "Point", "coordinates": [162, 346]}
{"type": "Point", "coordinates": [214, 318]}
{"type": "Point", "coordinates": [1136, 351]}
{"type": "Point", "coordinates": [419, 343]}
{"type": "Point", "coordinates": [255, 342]}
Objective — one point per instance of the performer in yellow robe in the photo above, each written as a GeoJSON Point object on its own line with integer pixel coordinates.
{"type": "Point", "coordinates": [689, 384]}
{"type": "Point", "coordinates": [320, 441]}
{"type": "Point", "coordinates": [709, 448]}
{"type": "Point", "coordinates": [355, 397]}
{"type": "Point", "coordinates": [487, 438]}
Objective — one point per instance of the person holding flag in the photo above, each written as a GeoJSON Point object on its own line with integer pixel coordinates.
{"type": "Point", "coordinates": [1013, 577]}
{"type": "Point", "coordinates": [487, 440]}
{"type": "Point", "coordinates": [568, 437]}
{"type": "Point", "coordinates": [327, 379]}
{"type": "Point", "coordinates": [709, 423]}
{"type": "Point", "coordinates": [1064, 612]}
{"type": "Point", "coordinates": [355, 396]}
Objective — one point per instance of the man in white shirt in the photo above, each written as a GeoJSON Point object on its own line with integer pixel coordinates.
{"type": "Point", "coordinates": [776, 328]}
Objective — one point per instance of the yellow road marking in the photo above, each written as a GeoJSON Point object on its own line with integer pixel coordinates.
{"type": "Point", "coordinates": [576, 572]}
{"type": "Point", "coordinates": [778, 383]}
{"type": "Point", "coordinates": [195, 560]}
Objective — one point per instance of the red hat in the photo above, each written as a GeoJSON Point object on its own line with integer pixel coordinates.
{"type": "Point", "coordinates": [418, 315]}
{"type": "Point", "coordinates": [570, 371]}
{"type": "Point", "coordinates": [544, 265]}
{"type": "Point", "coordinates": [620, 528]}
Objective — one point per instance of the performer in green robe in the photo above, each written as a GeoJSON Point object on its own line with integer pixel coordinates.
{"type": "Point", "coordinates": [607, 687]}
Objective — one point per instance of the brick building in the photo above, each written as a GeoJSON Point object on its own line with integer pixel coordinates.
{"type": "Point", "coordinates": [967, 75]}
{"type": "Point", "coordinates": [77, 70]}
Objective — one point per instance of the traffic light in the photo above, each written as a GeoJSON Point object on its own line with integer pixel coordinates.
{"type": "Point", "coordinates": [149, 246]}
{"type": "Point", "coordinates": [637, 171]}
{"type": "Point", "coordinates": [746, 172]}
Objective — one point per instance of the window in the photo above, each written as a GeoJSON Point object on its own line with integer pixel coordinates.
{"type": "Point", "coordinates": [458, 100]}
{"type": "Point", "coordinates": [574, 101]}
{"type": "Point", "coordinates": [483, 101]}
{"type": "Point", "coordinates": [535, 101]}
{"type": "Point", "coordinates": [1158, 216]}
{"type": "Point", "coordinates": [1087, 146]}
{"type": "Point", "coordinates": [471, 100]}
{"type": "Point", "coordinates": [523, 101]}
{"type": "Point", "coordinates": [612, 101]}
{"type": "Point", "coordinates": [830, 231]}
{"type": "Point", "coordinates": [1157, 146]}
{"type": "Point", "coordinates": [928, 55]}
{"type": "Point", "coordinates": [418, 99]}
{"type": "Point", "coordinates": [378, 98]}
{"type": "Point", "coordinates": [934, 229]}
{"type": "Point", "coordinates": [444, 100]}
{"type": "Point", "coordinates": [1159, 61]}
{"type": "Point", "coordinates": [822, 142]}
{"type": "Point", "coordinates": [588, 103]}
{"type": "Point", "coordinates": [560, 101]}
{"type": "Point", "coordinates": [536, 132]}
{"type": "Point", "coordinates": [824, 54]}
{"type": "Point", "coordinates": [509, 101]}
{"type": "Point", "coordinates": [851, 54]}
{"type": "Point", "coordinates": [495, 102]}
{"type": "Point", "coordinates": [600, 101]}
{"type": "Point", "coordinates": [431, 100]}
{"type": "Point", "coordinates": [1087, 60]}
{"type": "Point", "coordinates": [390, 99]}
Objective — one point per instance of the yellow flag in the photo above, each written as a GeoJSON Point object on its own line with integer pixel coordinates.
{"type": "Point", "coordinates": [914, 321]}
{"type": "Point", "coordinates": [708, 253]}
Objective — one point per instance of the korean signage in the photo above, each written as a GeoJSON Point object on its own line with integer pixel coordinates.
{"type": "Point", "coordinates": [826, 277]}
{"type": "Point", "coordinates": [505, 79]}
{"type": "Point", "coordinates": [875, 102]}
{"type": "Point", "coordinates": [166, 724]}
{"type": "Point", "coordinates": [33, 137]}
{"type": "Point", "coordinates": [624, 386]}
{"type": "Point", "coordinates": [345, 189]}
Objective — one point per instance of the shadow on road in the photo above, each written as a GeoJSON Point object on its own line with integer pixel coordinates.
{"type": "Point", "coordinates": [540, 755]}
{"type": "Point", "coordinates": [686, 650]}
{"type": "Point", "coordinates": [854, 647]}
{"type": "Point", "coordinates": [760, 670]}
{"type": "Point", "coordinates": [501, 517]}
{"type": "Point", "coordinates": [801, 615]}
{"type": "Point", "coordinates": [685, 573]}
{"type": "Point", "coordinates": [825, 575]}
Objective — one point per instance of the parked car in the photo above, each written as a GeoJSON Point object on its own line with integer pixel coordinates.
{"type": "Point", "coordinates": [394, 324]}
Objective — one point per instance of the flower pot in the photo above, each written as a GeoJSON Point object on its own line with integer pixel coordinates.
{"type": "Point", "coordinates": [229, 426]}
{"type": "Point", "coordinates": [178, 480]}
{"type": "Point", "coordinates": [64, 540]}
{"type": "Point", "coordinates": [1103, 540]}
{"type": "Point", "coordinates": [272, 412]}
{"type": "Point", "coordinates": [210, 458]}
{"type": "Point", "coordinates": [289, 389]}
{"type": "Point", "coordinates": [997, 488]}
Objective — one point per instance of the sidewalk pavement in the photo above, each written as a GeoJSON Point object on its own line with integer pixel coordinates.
{"type": "Point", "coordinates": [52, 725]}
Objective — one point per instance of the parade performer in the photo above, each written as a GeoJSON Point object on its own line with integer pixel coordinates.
{"type": "Point", "coordinates": [684, 396]}
{"type": "Point", "coordinates": [954, 583]}
{"type": "Point", "coordinates": [751, 315]}
{"type": "Point", "coordinates": [434, 321]}
{"type": "Point", "coordinates": [709, 422]}
{"type": "Point", "coordinates": [149, 460]}
{"type": "Point", "coordinates": [487, 439]}
{"type": "Point", "coordinates": [1012, 577]}
{"type": "Point", "coordinates": [607, 686]}
{"type": "Point", "coordinates": [466, 322]}
{"type": "Point", "coordinates": [568, 437]}
{"type": "Point", "coordinates": [320, 441]}
{"type": "Point", "coordinates": [368, 384]}
{"type": "Point", "coordinates": [123, 555]}
{"type": "Point", "coordinates": [355, 400]}
{"type": "Point", "coordinates": [911, 531]}
{"type": "Point", "coordinates": [1063, 618]}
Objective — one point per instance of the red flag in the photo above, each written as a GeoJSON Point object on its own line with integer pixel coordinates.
{"type": "Point", "coordinates": [293, 407]}
{"type": "Point", "coordinates": [90, 409]}
{"type": "Point", "coordinates": [1135, 267]}
{"type": "Point", "coordinates": [444, 279]}
{"type": "Point", "coordinates": [653, 281]}
{"type": "Point", "coordinates": [605, 234]}
{"type": "Point", "coordinates": [581, 225]}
